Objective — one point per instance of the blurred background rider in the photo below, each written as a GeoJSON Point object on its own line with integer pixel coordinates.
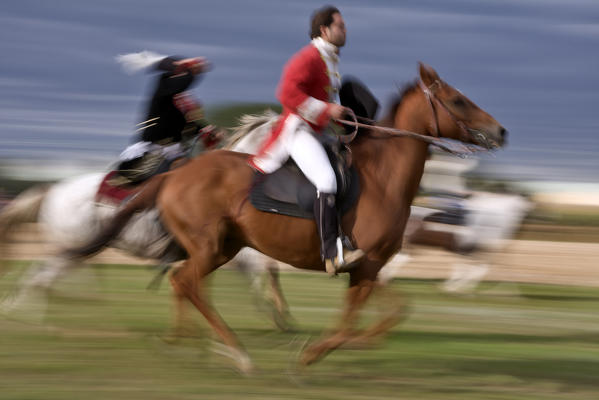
{"type": "Point", "coordinates": [173, 115]}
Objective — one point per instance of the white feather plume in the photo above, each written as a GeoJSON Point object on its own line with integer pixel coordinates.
{"type": "Point", "coordinates": [134, 62]}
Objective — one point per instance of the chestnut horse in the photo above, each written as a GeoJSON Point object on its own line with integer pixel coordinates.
{"type": "Point", "coordinates": [205, 205]}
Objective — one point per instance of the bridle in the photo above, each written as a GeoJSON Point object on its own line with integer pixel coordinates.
{"type": "Point", "coordinates": [435, 140]}
{"type": "Point", "coordinates": [465, 132]}
{"type": "Point", "coordinates": [433, 100]}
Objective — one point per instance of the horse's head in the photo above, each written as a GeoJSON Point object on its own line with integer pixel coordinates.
{"type": "Point", "coordinates": [453, 115]}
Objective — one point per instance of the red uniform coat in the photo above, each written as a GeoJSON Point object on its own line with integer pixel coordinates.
{"type": "Point", "coordinates": [305, 86]}
{"type": "Point", "coordinates": [304, 90]}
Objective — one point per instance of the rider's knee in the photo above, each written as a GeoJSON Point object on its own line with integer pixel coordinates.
{"type": "Point", "coordinates": [327, 183]}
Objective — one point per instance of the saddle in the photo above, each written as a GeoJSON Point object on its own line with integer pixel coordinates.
{"type": "Point", "coordinates": [453, 217]}
{"type": "Point", "coordinates": [142, 168]}
{"type": "Point", "coordinates": [287, 191]}
{"type": "Point", "coordinates": [125, 178]}
{"type": "Point", "coordinates": [451, 213]}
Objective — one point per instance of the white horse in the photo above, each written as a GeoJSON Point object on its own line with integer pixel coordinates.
{"type": "Point", "coordinates": [490, 221]}
{"type": "Point", "coordinates": [68, 216]}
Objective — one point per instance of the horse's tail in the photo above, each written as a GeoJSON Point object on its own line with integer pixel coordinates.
{"type": "Point", "coordinates": [22, 209]}
{"type": "Point", "coordinates": [143, 200]}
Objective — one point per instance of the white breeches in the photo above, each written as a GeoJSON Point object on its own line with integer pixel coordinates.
{"type": "Point", "coordinates": [297, 140]}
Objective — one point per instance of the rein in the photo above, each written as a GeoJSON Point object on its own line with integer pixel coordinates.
{"type": "Point", "coordinates": [444, 144]}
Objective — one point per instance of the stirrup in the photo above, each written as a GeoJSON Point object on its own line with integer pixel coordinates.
{"type": "Point", "coordinates": [351, 258]}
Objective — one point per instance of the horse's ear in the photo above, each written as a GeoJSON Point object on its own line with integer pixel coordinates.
{"type": "Point", "coordinates": [428, 74]}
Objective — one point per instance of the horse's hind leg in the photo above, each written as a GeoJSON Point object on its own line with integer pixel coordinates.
{"type": "Point", "coordinates": [205, 248]}
{"type": "Point", "coordinates": [182, 324]}
{"type": "Point", "coordinates": [31, 294]}
{"type": "Point", "coordinates": [188, 284]}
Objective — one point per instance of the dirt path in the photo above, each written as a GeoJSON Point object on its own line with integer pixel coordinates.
{"type": "Point", "coordinates": [570, 263]}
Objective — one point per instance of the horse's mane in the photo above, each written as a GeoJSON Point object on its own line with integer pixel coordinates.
{"type": "Point", "coordinates": [374, 147]}
{"type": "Point", "coordinates": [247, 123]}
{"type": "Point", "coordinates": [396, 102]}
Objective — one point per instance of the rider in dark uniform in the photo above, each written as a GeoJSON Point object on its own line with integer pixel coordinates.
{"type": "Point", "coordinates": [173, 116]}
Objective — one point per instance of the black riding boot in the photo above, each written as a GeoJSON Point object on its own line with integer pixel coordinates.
{"type": "Point", "coordinates": [325, 214]}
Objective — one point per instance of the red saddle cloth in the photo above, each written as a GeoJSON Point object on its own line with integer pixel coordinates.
{"type": "Point", "coordinates": [112, 192]}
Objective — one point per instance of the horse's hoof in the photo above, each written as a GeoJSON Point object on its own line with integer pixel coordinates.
{"type": "Point", "coordinates": [284, 322]}
{"type": "Point", "coordinates": [310, 355]}
{"type": "Point", "coordinates": [169, 338]}
{"type": "Point", "coordinates": [307, 359]}
{"type": "Point", "coordinates": [242, 360]}
{"type": "Point", "coordinates": [30, 309]}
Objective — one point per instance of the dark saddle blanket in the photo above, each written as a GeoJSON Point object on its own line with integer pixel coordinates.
{"type": "Point", "coordinates": [287, 191]}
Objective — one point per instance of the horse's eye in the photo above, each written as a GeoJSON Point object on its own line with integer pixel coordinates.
{"type": "Point", "coordinates": [459, 102]}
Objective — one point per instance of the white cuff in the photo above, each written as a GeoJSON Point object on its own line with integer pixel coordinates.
{"type": "Point", "coordinates": [311, 109]}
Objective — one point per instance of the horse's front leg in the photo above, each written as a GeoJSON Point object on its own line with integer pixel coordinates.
{"type": "Point", "coordinates": [183, 325]}
{"type": "Point", "coordinates": [362, 284]}
{"type": "Point", "coordinates": [392, 308]}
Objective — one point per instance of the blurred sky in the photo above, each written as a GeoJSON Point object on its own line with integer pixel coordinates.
{"type": "Point", "coordinates": [533, 64]}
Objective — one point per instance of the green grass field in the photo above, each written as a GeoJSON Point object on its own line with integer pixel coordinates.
{"type": "Point", "coordinates": [104, 340]}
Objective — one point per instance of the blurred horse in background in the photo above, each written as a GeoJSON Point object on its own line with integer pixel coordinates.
{"type": "Point", "coordinates": [68, 213]}
{"type": "Point", "coordinates": [477, 226]}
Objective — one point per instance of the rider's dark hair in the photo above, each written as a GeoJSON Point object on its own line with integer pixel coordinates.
{"type": "Point", "coordinates": [322, 17]}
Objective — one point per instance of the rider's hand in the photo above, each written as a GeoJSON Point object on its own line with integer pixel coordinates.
{"type": "Point", "coordinates": [336, 111]}
{"type": "Point", "coordinates": [195, 114]}
{"type": "Point", "coordinates": [214, 132]}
